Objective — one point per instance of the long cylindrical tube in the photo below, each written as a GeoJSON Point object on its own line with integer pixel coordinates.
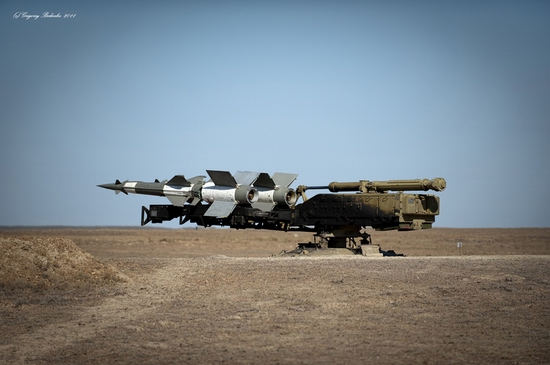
{"type": "Point", "coordinates": [437, 184]}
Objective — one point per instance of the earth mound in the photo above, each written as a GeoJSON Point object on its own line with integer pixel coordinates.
{"type": "Point", "coordinates": [43, 263]}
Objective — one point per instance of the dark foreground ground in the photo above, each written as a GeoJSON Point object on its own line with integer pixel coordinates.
{"type": "Point", "coordinates": [127, 296]}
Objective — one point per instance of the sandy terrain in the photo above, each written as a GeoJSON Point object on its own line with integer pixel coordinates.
{"type": "Point", "coordinates": [128, 296]}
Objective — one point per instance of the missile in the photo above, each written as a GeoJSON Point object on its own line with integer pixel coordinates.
{"type": "Point", "coordinates": [223, 192]}
{"type": "Point", "coordinates": [247, 187]}
{"type": "Point", "coordinates": [178, 189]}
{"type": "Point", "coordinates": [275, 190]}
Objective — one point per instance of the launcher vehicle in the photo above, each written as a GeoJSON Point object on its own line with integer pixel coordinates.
{"type": "Point", "coordinates": [256, 200]}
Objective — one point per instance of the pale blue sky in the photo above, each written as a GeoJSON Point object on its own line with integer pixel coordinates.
{"type": "Point", "coordinates": [330, 90]}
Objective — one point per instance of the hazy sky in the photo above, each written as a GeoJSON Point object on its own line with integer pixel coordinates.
{"type": "Point", "coordinates": [330, 90]}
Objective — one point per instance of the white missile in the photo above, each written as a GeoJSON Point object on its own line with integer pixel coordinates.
{"type": "Point", "coordinates": [224, 192]}
{"type": "Point", "coordinates": [275, 190]}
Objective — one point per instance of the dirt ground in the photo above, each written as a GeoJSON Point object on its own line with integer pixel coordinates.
{"type": "Point", "coordinates": [203, 296]}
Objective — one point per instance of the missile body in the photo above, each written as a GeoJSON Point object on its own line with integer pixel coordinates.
{"type": "Point", "coordinates": [211, 193]}
{"type": "Point", "coordinates": [275, 190]}
{"type": "Point", "coordinates": [178, 190]}
{"type": "Point", "coordinates": [223, 192]}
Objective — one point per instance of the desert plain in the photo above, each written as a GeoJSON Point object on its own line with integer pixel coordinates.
{"type": "Point", "coordinates": [91, 295]}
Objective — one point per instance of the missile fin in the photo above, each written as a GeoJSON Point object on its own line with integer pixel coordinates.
{"type": "Point", "coordinates": [177, 200]}
{"type": "Point", "coordinates": [197, 179]}
{"type": "Point", "coordinates": [246, 178]}
{"type": "Point", "coordinates": [284, 179]}
{"type": "Point", "coordinates": [264, 181]}
{"type": "Point", "coordinates": [222, 178]}
{"type": "Point", "coordinates": [220, 209]}
{"type": "Point", "coordinates": [179, 180]}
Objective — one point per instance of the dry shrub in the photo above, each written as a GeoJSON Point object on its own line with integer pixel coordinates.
{"type": "Point", "coordinates": [44, 263]}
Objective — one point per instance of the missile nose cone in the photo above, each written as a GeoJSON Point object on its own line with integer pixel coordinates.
{"type": "Point", "coordinates": [117, 187]}
{"type": "Point", "coordinates": [110, 186]}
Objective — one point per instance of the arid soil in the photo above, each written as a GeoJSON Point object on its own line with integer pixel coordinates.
{"type": "Point", "coordinates": [126, 296]}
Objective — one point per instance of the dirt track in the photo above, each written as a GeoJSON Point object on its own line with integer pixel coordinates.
{"type": "Point", "coordinates": [213, 308]}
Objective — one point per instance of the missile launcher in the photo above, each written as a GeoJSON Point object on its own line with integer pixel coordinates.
{"type": "Point", "coordinates": [256, 200]}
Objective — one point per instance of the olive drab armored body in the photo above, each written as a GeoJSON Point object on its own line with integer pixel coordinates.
{"type": "Point", "coordinates": [256, 200]}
